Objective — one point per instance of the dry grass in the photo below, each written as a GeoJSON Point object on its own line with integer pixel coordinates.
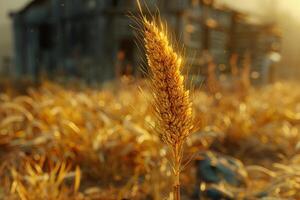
{"type": "Point", "coordinates": [106, 134]}
{"type": "Point", "coordinates": [34, 183]}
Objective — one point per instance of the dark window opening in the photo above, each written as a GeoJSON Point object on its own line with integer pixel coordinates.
{"type": "Point", "coordinates": [125, 57]}
{"type": "Point", "coordinates": [115, 3]}
{"type": "Point", "coordinates": [45, 37]}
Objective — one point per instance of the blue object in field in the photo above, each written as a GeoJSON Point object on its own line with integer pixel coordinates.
{"type": "Point", "coordinates": [214, 168]}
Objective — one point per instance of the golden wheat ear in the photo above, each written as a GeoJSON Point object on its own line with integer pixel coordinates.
{"type": "Point", "coordinates": [171, 99]}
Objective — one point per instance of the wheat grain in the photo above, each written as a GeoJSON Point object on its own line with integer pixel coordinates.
{"type": "Point", "coordinates": [171, 99]}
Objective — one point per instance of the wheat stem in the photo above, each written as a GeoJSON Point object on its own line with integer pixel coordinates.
{"type": "Point", "coordinates": [177, 169]}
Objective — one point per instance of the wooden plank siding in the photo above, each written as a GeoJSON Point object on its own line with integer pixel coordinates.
{"type": "Point", "coordinates": [90, 34]}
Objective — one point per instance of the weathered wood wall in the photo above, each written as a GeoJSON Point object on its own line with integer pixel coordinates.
{"type": "Point", "coordinates": [84, 37]}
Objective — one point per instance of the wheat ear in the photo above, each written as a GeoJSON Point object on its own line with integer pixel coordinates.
{"type": "Point", "coordinates": [171, 99]}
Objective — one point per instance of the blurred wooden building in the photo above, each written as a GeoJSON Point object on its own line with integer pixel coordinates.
{"type": "Point", "coordinates": [93, 39]}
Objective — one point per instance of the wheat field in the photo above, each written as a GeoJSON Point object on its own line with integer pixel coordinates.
{"type": "Point", "coordinates": [84, 143]}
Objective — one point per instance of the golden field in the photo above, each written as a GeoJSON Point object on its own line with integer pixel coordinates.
{"type": "Point", "coordinates": [88, 143]}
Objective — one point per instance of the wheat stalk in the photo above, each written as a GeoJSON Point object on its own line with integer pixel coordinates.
{"type": "Point", "coordinates": [171, 99]}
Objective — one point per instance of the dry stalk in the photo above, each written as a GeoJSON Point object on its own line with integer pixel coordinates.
{"type": "Point", "coordinates": [171, 99]}
{"type": "Point", "coordinates": [246, 84]}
